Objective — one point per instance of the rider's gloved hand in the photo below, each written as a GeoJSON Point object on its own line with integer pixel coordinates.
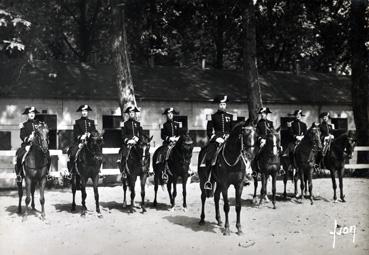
{"type": "Point", "coordinates": [83, 137]}
{"type": "Point", "coordinates": [262, 142]}
{"type": "Point", "coordinates": [172, 139]}
{"type": "Point", "coordinates": [131, 142]}
{"type": "Point", "coordinates": [28, 147]}
{"type": "Point", "coordinates": [135, 138]}
{"type": "Point", "coordinates": [299, 137]}
{"type": "Point", "coordinates": [80, 145]}
{"type": "Point", "coordinates": [219, 140]}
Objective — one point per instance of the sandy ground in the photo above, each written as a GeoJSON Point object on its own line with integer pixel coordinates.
{"type": "Point", "coordinates": [292, 228]}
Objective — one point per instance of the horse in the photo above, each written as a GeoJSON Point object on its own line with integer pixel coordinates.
{"type": "Point", "coordinates": [304, 157]}
{"type": "Point", "coordinates": [138, 163]}
{"type": "Point", "coordinates": [229, 170]}
{"type": "Point", "coordinates": [341, 149]}
{"type": "Point", "coordinates": [178, 164]}
{"type": "Point", "coordinates": [268, 163]}
{"type": "Point", "coordinates": [36, 164]}
{"type": "Point", "coordinates": [87, 165]}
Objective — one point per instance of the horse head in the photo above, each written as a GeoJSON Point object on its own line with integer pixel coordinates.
{"type": "Point", "coordinates": [94, 145]}
{"type": "Point", "coordinates": [249, 139]}
{"type": "Point", "coordinates": [272, 144]}
{"type": "Point", "coordinates": [349, 144]}
{"type": "Point", "coordinates": [313, 134]}
{"type": "Point", "coordinates": [41, 137]}
{"type": "Point", "coordinates": [185, 145]}
{"type": "Point", "coordinates": [144, 151]}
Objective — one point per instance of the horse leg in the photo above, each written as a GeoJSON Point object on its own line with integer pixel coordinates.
{"type": "Point", "coordinates": [340, 179]}
{"type": "Point", "coordinates": [74, 188]}
{"type": "Point", "coordinates": [285, 179]}
{"type": "Point", "coordinates": [84, 195]}
{"type": "Point", "coordinates": [310, 181]}
{"type": "Point", "coordinates": [216, 201]}
{"type": "Point", "coordinates": [174, 195]}
{"type": "Point", "coordinates": [96, 193]}
{"type": "Point", "coordinates": [274, 184]}
{"type": "Point", "coordinates": [28, 197]}
{"type": "Point", "coordinates": [302, 183]}
{"type": "Point", "coordinates": [239, 189]}
{"type": "Point", "coordinates": [133, 193]}
{"type": "Point", "coordinates": [20, 195]}
{"type": "Point", "coordinates": [296, 179]}
{"type": "Point", "coordinates": [263, 189]}
{"type": "Point", "coordinates": [306, 186]}
{"type": "Point", "coordinates": [169, 188]}
{"type": "Point", "coordinates": [184, 191]}
{"type": "Point", "coordinates": [42, 197]}
{"type": "Point", "coordinates": [156, 186]}
{"type": "Point", "coordinates": [254, 199]}
{"type": "Point", "coordinates": [227, 231]}
{"type": "Point", "coordinates": [33, 188]}
{"type": "Point", "coordinates": [124, 183]}
{"type": "Point", "coordinates": [203, 199]}
{"type": "Point", "coordinates": [143, 182]}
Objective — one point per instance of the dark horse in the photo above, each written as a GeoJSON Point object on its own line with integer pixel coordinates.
{"type": "Point", "coordinates": [87, 165]}
{"type": "Point", "coordinates": [138, 164]}
{"type": "Point", "coordinates": [304, 157]}
{"type": "Point", "coordinates": [341, 149]}
{"type": "Point", "coordinates": [36, 166]}
{"type": "Point", "coordinates": [178, 163]}
{"type": "Point", "coordinates": [268, 163]}
{"type": "Point", "coordinates": [289, 172]}
{"type": "Point", "coordinates": [230, 169]}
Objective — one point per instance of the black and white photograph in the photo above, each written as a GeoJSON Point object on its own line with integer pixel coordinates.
{"type": "Point", "coordinates": [184, 127]}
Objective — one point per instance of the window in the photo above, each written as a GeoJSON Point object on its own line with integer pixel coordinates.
{"type": "Point", "coordinates": [340, 126]}
{"type": "Point", "coordinates": [5, 140]}
{"type": "Point", "coordinates": [51, 121]}
{"type": "Point", "coordinates": [184, 122]}
{"type": "Point", "coordinates": [285, 136]}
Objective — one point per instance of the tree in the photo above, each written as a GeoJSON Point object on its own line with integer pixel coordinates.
{"type": "Point", "coordinates": [121, 68]}
{"type": "Point", "coordinates": [254, 101]}
{"type": "Point", "coordinates": [360, 86]}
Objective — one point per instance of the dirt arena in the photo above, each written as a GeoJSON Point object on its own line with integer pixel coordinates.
{"type": "Point", "coordinates": [292, 228]}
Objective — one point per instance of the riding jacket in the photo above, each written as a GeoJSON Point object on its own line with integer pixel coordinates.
{"type": "Point", "coordinates": [130, 129]}
{"type": "Point", "coordinates": [262, 128]}
{"type": "Point", "coordinates": [220, 124]}
{"type": "Point", "coordinates": [27, 128]}
{"type": "Point", "coordinates": [170, 129]}
{"type": "Point", "coordinates": [297, 128]}
{"type": "Point", "coordinates": [83, 125]}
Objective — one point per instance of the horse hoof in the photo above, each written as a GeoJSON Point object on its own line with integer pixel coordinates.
{"type": "Point", "coordinates": [83, 214]}
{"type": "Point", "coordinates": [184, 209]}
{"type": "Point", "coordinates": [124, 205]}
{"type": "Point", "coordinates": [171, 209]}
{"type": "Point", "coordinates": [73, 208]}
{"type": "Point", "coordinates": [99, 215]}
{"type": "Point", "coordinates": [343, 200]}
{"type": "Point", "coordinates": [154, 204]}
{"type": "Point", "coordinates": [274, 207]}
{"type": "Point", "coordinates": [143, 210]}
{"type": "Point", "coordinates": [335, 201]}
{"type": "Point", "coordinates": [201, 222]}
{"type": "Point", "coordinates": [43, 217]}
{"type": "Point", "coordinates": [227, 232]}
{"type": "Point", "coordinates": [19, 210]}
{"type": "Point", "coordinates": [239, 232]}
{"type": "Point", "coordinates": [254, 201]}
{"type": "Point", "coordinates": [311, 202]}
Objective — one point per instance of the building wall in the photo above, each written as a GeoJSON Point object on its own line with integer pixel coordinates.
{"type": "Point", "coordinates": [150, 117]}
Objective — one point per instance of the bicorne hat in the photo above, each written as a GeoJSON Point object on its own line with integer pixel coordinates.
{"type": "Point", "coordinates": [131, 108]}
{"type": "Point", "coordinates": [30, 109]}
{"type": "Point", "coordinates": [299, 111]}
{"type": "Point", "coordinates": [220, 99]}
{"type": "Point", "coordinates": [84, 107]}
{"type": "Point", "coordinates": [264, 110]}
{"type": "Point", "coordinates": [170, 109]}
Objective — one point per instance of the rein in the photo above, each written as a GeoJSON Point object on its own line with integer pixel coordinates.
{"type": "Point", "coordinates": [238, 157]}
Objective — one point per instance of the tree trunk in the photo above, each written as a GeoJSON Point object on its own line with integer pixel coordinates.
{"type": "Point", "coordinates": [249, 61]}
{"type": "Point", "coordinates": [219, 41]}
{"type": "Point", "coordinates": [121, 67]}
{"type": "Point", "coordinates": [360, 87]}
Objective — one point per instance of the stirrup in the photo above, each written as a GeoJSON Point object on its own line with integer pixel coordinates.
{"type": "Point", "coordinates": [164, 176]}
{"type": "Point", "coordinates": [254, 174]}
{"type": "Point", "coordinates": [208, 185]}
{"type": "Point", "coordinates": [124, 174]}
{"type": "Point", "coordinates": [282, 172]}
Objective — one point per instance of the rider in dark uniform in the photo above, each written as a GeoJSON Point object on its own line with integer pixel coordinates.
{"type": "Point", "coordinates": [81, 130]}
{"type": "Point", "coordinates": [169, 134]}
{"type": "Point", "coordinates": [296, 129]}
{"type": "Point", "coordinates": [262, 128]}
{"type": "Point", "coordinates": [218, 129]}
{"type": "Point", "coordinates": [326, 136]}
{"type": "Point", "coordinates": [27, 129]}
{"type": "Point", "coordinates": [131, 135]}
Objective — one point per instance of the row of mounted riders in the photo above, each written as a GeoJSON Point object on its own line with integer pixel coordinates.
{"type": "Point", "coordinates": [233, 148]}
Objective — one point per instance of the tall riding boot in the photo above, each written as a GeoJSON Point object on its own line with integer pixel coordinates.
{"type": "Point", "coordinates": [18, 171]}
